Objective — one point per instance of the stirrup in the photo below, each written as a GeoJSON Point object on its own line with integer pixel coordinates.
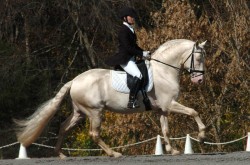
{"type": "Point", "coordinates": [133, 104]}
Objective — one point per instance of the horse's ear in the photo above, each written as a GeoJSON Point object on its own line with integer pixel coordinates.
{"type": "Point", "coordinates": [202, 44]}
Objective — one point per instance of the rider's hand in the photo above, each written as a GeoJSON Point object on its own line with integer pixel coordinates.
{"type": "Point", "coordinates": [146, 55]}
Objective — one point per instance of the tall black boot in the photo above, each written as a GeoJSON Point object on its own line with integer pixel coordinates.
{"type": "Point", "coordinates": [132, 103]}
{"type": "Point", "coordinates": [146, 100]}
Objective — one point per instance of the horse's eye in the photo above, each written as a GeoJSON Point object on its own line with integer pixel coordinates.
{"type": "Point", "coordinates": [198, 58]}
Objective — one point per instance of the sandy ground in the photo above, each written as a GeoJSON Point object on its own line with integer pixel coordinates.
{"type": "Point", "coordinates": [235, 158]}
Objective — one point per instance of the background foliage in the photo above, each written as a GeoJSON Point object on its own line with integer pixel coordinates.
{"type": "Point", "coordinates": [44, 44]}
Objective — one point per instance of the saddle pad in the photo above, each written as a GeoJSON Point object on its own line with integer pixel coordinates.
{"type": "Point", "coordinates": [119, 80]}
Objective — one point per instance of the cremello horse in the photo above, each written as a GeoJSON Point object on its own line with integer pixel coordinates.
{"type": "Point", "coordinates": [91, 93]}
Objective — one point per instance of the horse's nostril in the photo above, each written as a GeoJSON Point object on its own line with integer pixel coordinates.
{"type": "Point", "coordinates": [200, 81]}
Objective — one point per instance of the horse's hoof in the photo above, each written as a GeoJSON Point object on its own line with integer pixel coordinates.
{"type": "Point", "coordinates": [201, 137]}
{"type": "Point", "coordinates": [175, 152]}
{"type": "Point", "coordinates": [201, 140]}
{"type": "Point", "coordinates": [117, 154]}
{"type": "Point", "coordinates": [62, 156]}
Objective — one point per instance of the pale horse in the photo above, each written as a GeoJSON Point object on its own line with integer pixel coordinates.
{"type": "Point", "coordinates": [91, 93]}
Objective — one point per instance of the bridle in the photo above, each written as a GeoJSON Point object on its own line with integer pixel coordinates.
{"type": "Point", "coordinates": [191, 69]}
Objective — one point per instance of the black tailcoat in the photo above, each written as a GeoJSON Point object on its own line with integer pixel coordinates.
{"type": "Point", "coordinates": [127, 47]}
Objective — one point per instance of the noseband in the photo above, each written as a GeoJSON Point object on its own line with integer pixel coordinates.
{"type": "Point", "coordinates": [192, 68]}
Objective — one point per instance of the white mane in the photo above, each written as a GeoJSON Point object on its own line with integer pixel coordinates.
{"type": "Point", "coordinates": [172, 43]}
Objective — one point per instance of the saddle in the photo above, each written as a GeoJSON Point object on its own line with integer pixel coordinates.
{"type": "Point", "coordinates": [121, 81]}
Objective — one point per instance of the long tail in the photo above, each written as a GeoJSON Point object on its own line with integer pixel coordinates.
{"type": "Point", "coordinates": [31, 128]}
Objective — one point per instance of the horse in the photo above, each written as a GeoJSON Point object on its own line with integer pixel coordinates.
{"type": "Point", "coordinates": [91, 93]}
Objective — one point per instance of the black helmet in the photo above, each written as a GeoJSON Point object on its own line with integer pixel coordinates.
{"type": "Point", "coordinates": [127, 11]}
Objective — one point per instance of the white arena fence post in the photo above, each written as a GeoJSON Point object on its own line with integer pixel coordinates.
{"type": "Point", "coordinates": [188, 146]}
{"type": "Point", "coordinates": [158, 146]}
{"type": "Point", "coordinates": [248, 142]}
{"type": "Point", "coordinates": [22, 153]}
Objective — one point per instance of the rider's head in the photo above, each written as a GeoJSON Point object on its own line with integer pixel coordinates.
{"type": "Point", "coordinates": [128, 14]}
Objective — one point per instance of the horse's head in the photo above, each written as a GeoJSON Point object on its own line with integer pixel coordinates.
{"type": "Point", "coordinates": [194, 63]}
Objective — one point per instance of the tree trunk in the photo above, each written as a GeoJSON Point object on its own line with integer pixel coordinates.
{"type": "Point", "coordinates": [27, 34]}
{"type": "Point", "coordinates": [83, 38]}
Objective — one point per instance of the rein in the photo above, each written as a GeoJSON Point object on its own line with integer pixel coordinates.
{"type": "Point", "coordinates": [191, 69]}
{"type": "Point", "coordinates": [166, 64]}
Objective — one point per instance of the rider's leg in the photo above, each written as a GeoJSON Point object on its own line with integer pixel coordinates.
{"type": "Point", "coordinates": [132, 69]}
{"type": "Point", "coordinates": [136, 86]}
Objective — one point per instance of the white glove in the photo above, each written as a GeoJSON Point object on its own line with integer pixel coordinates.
{"type": "Point", "coordinates": [146, 54]}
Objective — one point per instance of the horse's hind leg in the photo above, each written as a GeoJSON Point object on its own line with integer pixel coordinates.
{"type": "Point", "coordinates": [94, 131]}
{"type": "Point", "coordinates": [165, 132]}
{"type": "Point", "coordinates": [66, 126]}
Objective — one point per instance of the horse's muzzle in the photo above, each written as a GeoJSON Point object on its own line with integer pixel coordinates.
{"type": "Point", "coordinates": [197, 79]}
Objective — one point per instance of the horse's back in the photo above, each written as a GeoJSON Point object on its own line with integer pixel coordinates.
{"type": "Point", "coordinates": [90, 85]}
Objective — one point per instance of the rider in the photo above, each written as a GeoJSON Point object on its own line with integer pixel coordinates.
{"type": "Point", "coordinates": [128, 52]}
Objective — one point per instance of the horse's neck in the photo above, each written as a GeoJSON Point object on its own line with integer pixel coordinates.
{"type": "Point", "coordinates": [173, 54]}
{"type": "Point", "coordinates": [172, 59]}
{"type": "Point", "coordinates": [169, 56]}
{"type": "Point", "coordinates": [162, 71]}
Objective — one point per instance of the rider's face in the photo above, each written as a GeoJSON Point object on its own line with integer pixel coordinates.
{"type": "Point", "coordinates": [131, 20]}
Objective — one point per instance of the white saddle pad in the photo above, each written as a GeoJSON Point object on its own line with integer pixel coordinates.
{"type": "Point", "coordinates": [119, 80]}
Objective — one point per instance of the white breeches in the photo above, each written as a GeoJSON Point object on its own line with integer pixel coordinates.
{"type": "Point", "coordinates": [132, 69]}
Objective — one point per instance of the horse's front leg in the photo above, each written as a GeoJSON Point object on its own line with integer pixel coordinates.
{"type": "Point", "coordinates": [165, 132]}
{"type": "Point", "coordinates": [178, 108]}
